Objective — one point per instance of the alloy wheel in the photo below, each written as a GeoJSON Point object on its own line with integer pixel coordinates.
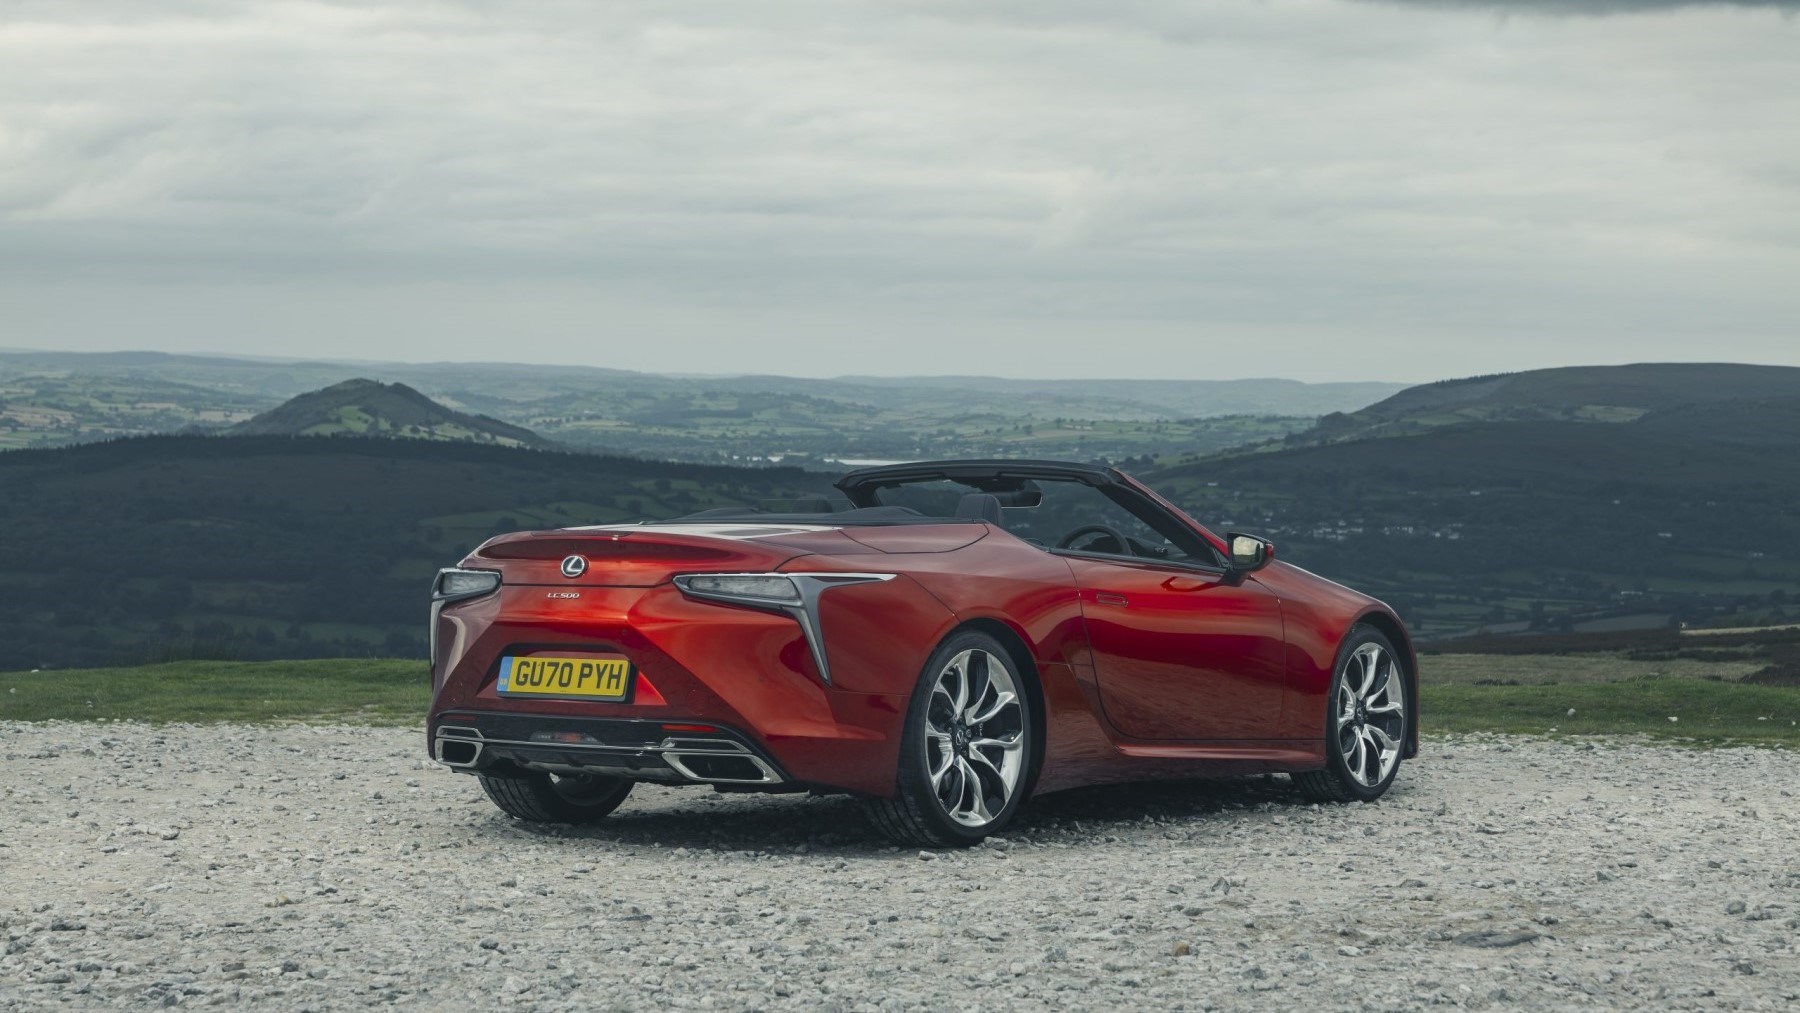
{"type": "Point", "coordinates": [974, 737]}
{"type": "Point", "coordinates": [1371, 714]}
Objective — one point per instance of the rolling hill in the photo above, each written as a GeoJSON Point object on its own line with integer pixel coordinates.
{"type": "Point", "coordinates": [280, 547]}
{"type": "Point", "coordinates": [56, 398]}
{"type": "Point", "coordinates": [362, 407]}
{"type": "Point", "coordinates": [1679, 512]}
{"type": "Point", "coordinates": [1570, 394]}
{"type": "Point", "coordinates": [1519, 512]}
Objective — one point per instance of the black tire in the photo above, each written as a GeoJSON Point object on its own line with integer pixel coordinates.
{"type": "Point", "coordinates": [916, 816]}
{"type": "Point", "coordinates": [539, 797]}
{"type": "Point", "coordinates": [1336, 783]}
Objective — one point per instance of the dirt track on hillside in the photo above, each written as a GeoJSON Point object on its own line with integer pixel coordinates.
{"type": "Point", "coordinates": [330, 867]}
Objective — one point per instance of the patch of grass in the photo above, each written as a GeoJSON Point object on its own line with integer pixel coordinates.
{"type": "Point", "coordinates": [1711, 713]}
{"type": "Point", "coordinates": [358, 690]}
{"type": "Point", "coordinates": [1539, 669]}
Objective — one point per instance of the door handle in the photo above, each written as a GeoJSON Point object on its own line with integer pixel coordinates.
{"type": "Point", "coordinates": [1110, 599]}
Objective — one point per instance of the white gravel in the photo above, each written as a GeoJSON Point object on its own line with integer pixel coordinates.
{"type": "Point", "coordinates": [325, 868]}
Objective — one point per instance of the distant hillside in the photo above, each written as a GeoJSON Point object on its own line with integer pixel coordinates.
{"type": "Point", "coordinates": [369, 408]}
{"type": "Point", "coordinates": [57, 398]}
{"type": "Point", "coordinates": [1683, 509]}
{"type": "Point", "coordinates": [267, 547]}
{"type": "Point", "coordinates": [1175, 398]}
{"type": "Point", "coordinates": [262, 547]}
{"type": "Point", "coordinates": [1569, 394]}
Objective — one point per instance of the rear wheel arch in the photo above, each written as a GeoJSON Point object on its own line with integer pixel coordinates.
{"type": "Point", "coordinates": [918, 812]}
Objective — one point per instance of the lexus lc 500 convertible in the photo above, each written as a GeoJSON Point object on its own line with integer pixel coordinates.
{"type": "Point", "coordinates": [958, 637]}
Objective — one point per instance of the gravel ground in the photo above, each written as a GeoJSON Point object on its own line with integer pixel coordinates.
{"type": "Point", "coordinates": [321, 868]}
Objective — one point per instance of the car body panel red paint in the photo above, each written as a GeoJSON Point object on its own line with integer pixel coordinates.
{"type": "Point", "coordinates": [1317, 614]}
{"type": "Point", "coordinates": [1143, 669]}
{"type": "Point", "coordinates": [1183, 654]}
{"type": "Point", "coordinates": [740, 668]}
{"type": "Point", "coordinates": [946, 538]}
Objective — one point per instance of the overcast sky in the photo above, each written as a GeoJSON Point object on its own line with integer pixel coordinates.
{"type": "Point", "coordinates": [1320, 189]}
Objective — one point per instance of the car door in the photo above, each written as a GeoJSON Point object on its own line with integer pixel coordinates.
{"type": "Point", "coordinates": [1181, 653]}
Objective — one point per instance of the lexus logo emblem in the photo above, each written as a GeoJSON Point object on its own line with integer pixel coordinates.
{"type": "Point", "coordinates": [574, 566]}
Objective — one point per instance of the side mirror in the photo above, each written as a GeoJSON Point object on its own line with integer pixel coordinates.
{"type": "Point", "coordinates": [1249, 552]}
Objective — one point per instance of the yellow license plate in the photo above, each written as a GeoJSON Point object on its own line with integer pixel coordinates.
{"type": "Point", "coordinates": [587, 676]}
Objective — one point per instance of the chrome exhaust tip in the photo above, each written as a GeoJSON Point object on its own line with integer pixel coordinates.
{"type": "Point", "coordinates": [716, 761]}
{"type": "Point", "coordinates": [457, 747]}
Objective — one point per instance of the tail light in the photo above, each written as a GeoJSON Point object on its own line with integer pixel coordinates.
{"type": "Point", "coordinates": [456, 585]}
{"type": "Point", "coordinates": [794, 594]}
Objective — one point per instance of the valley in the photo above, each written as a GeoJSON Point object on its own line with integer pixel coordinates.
{"type": "Point", "coordinates": [311, 529]}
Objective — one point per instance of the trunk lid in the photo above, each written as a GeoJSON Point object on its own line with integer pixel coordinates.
{"type": "Point", "coordinates": [626, 557]}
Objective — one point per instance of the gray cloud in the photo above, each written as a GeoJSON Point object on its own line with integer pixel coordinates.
{"type": "Point", "coordinates": [1309, 188]}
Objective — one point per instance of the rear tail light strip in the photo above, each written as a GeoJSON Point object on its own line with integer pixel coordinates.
{"type": "Point", "coordinates": [803, 606]}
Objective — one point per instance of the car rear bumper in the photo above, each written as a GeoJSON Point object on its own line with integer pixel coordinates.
{"type": "Point", "coordinates": [746, 675]}
{"type": "Point", "coordinates": [639, 750]}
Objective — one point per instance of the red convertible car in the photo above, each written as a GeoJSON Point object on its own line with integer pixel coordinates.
{"type": "Point", "coordinates": [956, 638]}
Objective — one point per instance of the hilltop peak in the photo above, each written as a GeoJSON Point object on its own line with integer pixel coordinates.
{"type": "Point", "coordinates": [1598, 394]}
{"type": "Point", "coordinates": [364, 407]}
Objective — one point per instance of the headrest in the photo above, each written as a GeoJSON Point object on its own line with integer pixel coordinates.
{"type": "Point", "coordinates": [980, 506]}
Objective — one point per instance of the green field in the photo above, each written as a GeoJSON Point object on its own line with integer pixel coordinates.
{"type": "Point", "coordinates": [1440, 670]}
{"type": "Point", "coordinates": [356, 690]}
{"type": "Point", "coordinates": [1699, 711]}
{"type": "Point", "coordinates": [394, 692]}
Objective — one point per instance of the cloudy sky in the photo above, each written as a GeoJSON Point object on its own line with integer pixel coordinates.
{"type": "Point", "coordinates": [1321, 189]}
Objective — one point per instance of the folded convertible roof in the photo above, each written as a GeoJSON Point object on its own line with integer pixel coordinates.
{"type": "Point", "coordinates": [988, 476]}
{"type": "Point", "coordinates": [879, 516]}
